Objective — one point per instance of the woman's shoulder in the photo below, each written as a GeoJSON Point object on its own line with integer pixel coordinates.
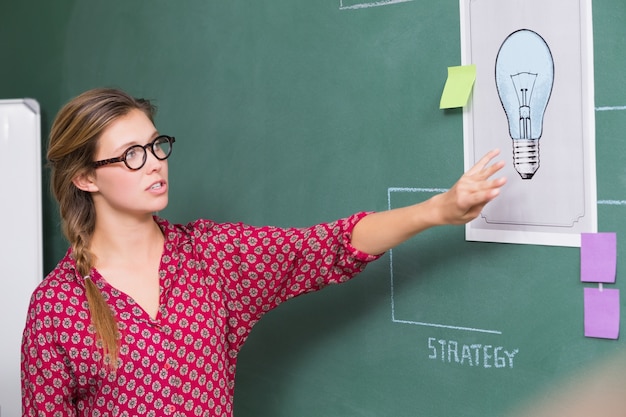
{"type": "Point", "coordinates": [61, 287]}
{"type": "Point", "coordinates": [63, 278]}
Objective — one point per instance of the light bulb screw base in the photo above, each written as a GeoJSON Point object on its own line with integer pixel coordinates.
{"type": "Point", "coordinates": [526, 157]}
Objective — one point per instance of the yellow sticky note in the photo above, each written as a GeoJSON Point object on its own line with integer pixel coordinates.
{"type": "Point", "coordinates": [458, 86]}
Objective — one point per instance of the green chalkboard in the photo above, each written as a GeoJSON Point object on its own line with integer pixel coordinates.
{"type": "Point", "coordinates": [291, 113]}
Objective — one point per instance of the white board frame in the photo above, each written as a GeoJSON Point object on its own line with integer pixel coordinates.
{"type": "Point", "coordinates": [21, 252]}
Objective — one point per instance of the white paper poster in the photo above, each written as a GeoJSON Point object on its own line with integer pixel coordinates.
{"type": "Point", "coordinates": [532, 99]}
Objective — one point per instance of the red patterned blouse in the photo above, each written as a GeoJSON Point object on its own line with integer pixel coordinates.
{"type": "Point", "coordinates": [216, 280]}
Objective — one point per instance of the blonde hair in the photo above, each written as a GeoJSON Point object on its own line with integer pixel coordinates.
{"type": "Point", "coordinates": [71, 151]}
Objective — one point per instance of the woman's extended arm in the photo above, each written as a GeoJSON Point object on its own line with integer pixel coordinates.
{"type": "Point", "coordinates": [379, 232]}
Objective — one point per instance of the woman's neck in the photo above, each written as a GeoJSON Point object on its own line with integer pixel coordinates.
{"type": "Point", "coordinates": [126, 241]}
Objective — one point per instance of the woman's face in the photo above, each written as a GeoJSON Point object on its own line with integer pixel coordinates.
{"type": "Point", "coordinates": [119, 189]}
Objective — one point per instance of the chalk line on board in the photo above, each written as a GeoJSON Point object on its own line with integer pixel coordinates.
{"type": "Point", "coordinates": [369, 4]}
{"type": "Point", "coordinates": [610, 108]}
{"type": "Point", "coordinates": [612, 202]}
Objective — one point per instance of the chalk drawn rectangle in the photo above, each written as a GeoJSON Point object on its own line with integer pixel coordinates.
{"type": "Point", "coordinates": [439, 279]}
{"type": "Point", "coordinates": [525, 63]}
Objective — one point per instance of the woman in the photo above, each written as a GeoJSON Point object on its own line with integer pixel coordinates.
{"type": "Point", "coordinates": [144, 317]}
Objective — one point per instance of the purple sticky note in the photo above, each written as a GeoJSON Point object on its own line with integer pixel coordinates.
{"type": "Point", "coordinates": [598, 257]}
{"type": "Point", "coordinates": [602, 313]}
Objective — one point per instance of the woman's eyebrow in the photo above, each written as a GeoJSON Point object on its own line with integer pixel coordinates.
{"type": "Point", "coordinates": [128, 144]}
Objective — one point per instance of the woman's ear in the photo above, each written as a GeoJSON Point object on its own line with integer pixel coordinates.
{"type": "Point", "coordinates": [85, 182]}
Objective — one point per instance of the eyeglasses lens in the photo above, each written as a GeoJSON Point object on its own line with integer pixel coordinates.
{"type": "Point", "coordinates": [136, 156]}
{"type": "Point", "coordinates": [162, 148]}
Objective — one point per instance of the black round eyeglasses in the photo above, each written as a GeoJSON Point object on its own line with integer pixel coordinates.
{"type": "Point", "coordinates": [135, 157]}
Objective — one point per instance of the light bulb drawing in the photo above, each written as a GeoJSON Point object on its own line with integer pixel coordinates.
{"type": "Point", "coordinates": [524, 80]}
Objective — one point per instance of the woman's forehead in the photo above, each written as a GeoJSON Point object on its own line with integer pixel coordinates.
{"type": "Point", "coordinates": [130, 129]}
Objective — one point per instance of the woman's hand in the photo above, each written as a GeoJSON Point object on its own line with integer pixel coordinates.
{"type": "Point", "coordinates": [466, 199]}
{"type": "Point", "coordinates": [379, 232]}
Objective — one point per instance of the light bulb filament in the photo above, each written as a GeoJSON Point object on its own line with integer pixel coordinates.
{"type": "Point", "coordinates": [523, 84]}
{"type": "Point", "coordinates": [524, 115]}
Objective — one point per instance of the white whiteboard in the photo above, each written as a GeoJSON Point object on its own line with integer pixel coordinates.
{"type": "Point", "coordinates": [20, 236]}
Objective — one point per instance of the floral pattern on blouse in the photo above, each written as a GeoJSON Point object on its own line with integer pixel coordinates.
{"type": "Point", "coordinates": [216, 281]}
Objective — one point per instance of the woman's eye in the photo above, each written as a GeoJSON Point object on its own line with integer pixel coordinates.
{"type": "Point", "coordinates": [131, 154]}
